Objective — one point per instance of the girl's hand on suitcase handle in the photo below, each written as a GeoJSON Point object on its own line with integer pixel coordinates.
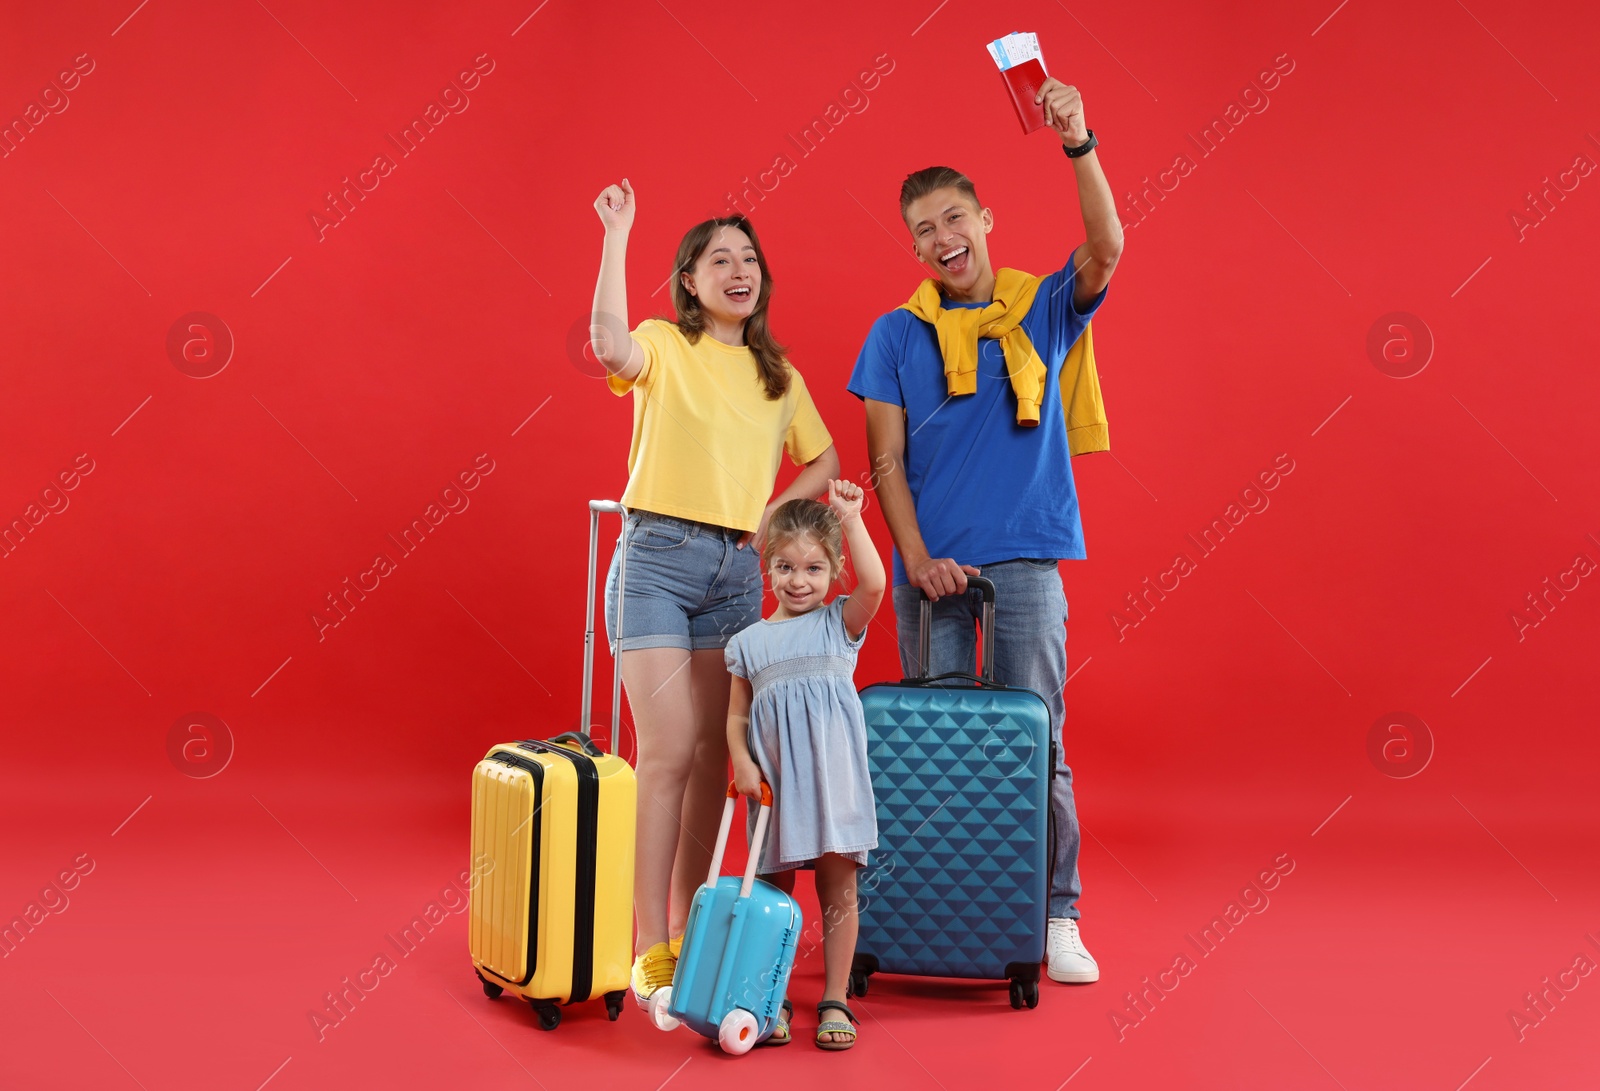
{"type": "Point", "coordinates": [747, 778]}
{"type": "Point", "coordinates": [938, 576]}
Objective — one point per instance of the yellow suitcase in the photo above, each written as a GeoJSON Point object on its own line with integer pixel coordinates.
{"type": "Point", "coordinates": [551, 915]}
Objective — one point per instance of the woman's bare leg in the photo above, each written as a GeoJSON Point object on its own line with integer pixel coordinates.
{"type": "Point", "coordinates": [659, 693]}
{"type": "Point", "coordinates": [707, 782]}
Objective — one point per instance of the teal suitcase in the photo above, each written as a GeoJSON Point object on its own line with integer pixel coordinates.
{"type": "Point", "coordinates": [738, 950]}
{"type": "Point", "coordinates": [959, 883]}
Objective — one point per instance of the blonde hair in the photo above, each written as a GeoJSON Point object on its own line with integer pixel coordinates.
{"type": "Point", "coordinates": [806, 519]}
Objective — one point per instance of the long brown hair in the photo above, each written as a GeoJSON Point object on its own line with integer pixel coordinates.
{"type": "Point", "coordinates": [757, 336]}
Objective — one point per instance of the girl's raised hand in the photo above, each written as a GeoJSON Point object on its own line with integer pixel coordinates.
{"type": "Point", "coordinates": [845, 498]}
{"type": "Point", "coordinates": [615, 205]}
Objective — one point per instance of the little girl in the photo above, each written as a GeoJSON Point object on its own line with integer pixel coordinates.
{"type": "Point", "coordinates": [795, 720]}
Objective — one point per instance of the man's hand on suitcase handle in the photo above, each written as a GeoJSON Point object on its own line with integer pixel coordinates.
{"type": "Point", "coordinates": [938, 576]}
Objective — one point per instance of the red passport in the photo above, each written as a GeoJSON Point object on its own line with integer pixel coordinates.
{"type": "Point", "coordinates": [1023, 82]}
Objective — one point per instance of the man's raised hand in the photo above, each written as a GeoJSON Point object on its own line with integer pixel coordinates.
{"type": "Point", "coordinates": [1063, 111]}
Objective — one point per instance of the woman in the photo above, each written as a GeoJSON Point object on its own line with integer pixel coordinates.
{"type": "Point", "coordinates": [715, 405]}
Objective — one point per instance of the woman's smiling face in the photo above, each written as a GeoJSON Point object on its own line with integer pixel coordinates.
{"type": "Point", "coordinates": [726, 277]}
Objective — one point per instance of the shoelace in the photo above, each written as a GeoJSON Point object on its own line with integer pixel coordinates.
{"type": "Point", "coordinates": [1065, 937]}
{"type": "Point", "coordinates": [658, 971]}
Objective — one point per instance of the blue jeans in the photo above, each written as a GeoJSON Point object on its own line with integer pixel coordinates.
{"type": "Point", "coordinates": [1030, 650]}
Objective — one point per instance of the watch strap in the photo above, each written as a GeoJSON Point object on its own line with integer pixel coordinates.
{"type": "Point", "coordinates": [1082, 149]}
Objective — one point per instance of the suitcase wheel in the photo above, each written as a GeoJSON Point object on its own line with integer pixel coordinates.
{"type": "Point", "coordinates": [659, 1015]}
{"type": "Point", "coordinates": [490, 989]}
{"type": "Point", "coordinates": [549, 1014]}
{"type": "Point", "coordinates": [858, 983]}
{"type": "Point", "coordinates": [614, 1004]}
{"type": "Point", "coordinates": [1024, 993]}
{"type": "Point", "coordinates": [737, 1033]}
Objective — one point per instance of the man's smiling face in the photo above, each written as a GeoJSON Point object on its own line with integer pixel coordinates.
{"type": "Point", "coordinates": [950, 233]}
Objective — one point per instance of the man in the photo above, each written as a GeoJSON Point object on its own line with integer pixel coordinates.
{"type": "Point", "coordinates": [971, 445]}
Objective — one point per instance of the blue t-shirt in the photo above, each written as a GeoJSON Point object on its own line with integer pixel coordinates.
{"type": "Point", "coordinates": [986, 488]}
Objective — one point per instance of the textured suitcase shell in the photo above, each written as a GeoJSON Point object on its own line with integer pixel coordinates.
{"type": "Point", "coordinates": [551, 914]}
{"type": "Point", "coordinates": [959, 883]}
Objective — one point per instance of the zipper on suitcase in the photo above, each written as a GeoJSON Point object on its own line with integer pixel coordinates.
{"type": "Point", "coordinates": [536, 772]}
{"type": "Point", "coordinates": [587, 863]}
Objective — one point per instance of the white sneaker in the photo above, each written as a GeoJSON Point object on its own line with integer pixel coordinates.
{"type": "Point", "coordinates": [1068, 960]}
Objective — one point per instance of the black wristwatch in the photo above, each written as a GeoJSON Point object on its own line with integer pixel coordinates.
{"type": "Point", "coordinates": [1082, 149]}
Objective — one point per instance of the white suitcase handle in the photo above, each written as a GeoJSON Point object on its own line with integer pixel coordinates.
{"type": "Point", "coordinates": [661, 999]}
{"type": "Point", "coordinates": [756, 844]}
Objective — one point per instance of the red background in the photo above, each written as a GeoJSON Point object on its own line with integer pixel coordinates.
{"type": "Point", "coordinates": [427, 327]}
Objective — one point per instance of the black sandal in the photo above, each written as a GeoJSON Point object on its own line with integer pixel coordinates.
{"type": "Point", "coordinates": [836, 1026]}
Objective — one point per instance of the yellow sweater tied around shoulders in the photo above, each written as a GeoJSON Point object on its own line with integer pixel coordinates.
{"type": "Point", "coordinates": [959, 329]}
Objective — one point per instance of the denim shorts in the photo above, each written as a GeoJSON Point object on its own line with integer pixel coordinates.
{"type": "Point", "coordinates": [687, 584]}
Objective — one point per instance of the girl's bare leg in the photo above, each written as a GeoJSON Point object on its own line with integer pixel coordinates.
{"type": "Point", "coordinates": [836, 891]}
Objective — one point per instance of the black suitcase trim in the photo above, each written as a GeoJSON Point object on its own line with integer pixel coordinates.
{"type": "Point", "coordinates": [587, 864]}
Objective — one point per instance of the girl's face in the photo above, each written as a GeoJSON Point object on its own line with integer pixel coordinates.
{"type": "Point", "coordinates": [726, 277]}
{"type": "Point", "coordinates": [800, 574]}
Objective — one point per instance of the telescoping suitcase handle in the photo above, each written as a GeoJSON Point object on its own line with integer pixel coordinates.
{"type": "Point", "coordinates": [581, 737]}
{"type": "Point", "coordinates": [986, 629]}
{"type": "Point", "coordinates": [756, 844]}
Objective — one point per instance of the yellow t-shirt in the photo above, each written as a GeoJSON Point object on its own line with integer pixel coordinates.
{"type": "Point", "coordinates": [706, 439]}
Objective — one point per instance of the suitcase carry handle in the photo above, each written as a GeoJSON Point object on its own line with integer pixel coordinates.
{"type": "Point", "coordinates": [756, 844]}
{"type": "Point", "coordinates": [965, 676]}
{"type": "Point", "coordinates": [581, 741]}
{"type": "Point", "coordinates": [595, 508]}
{"type": "Point", "coordinates": [986, 631]}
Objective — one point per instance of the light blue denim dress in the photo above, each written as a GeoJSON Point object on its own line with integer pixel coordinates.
{"type": "Point", "coordinates": [808, 735]}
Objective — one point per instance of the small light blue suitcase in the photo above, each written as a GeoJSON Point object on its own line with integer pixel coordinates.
{"type": "Point", "coordinates": [738, 950]}
{"type": "Point", "coordinates": [959, 883]}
